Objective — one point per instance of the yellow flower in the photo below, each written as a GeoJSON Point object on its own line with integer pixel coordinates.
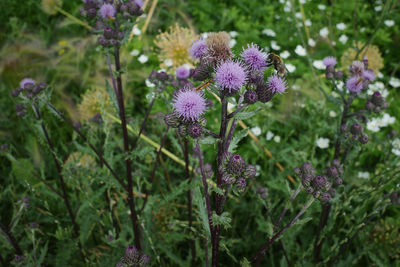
{"type": "Point", "coordinates": [374, 56]}
{"type": "Point", "coordinates": [95, 101]}
{"type": "Point", "coordinates": [174, 46]}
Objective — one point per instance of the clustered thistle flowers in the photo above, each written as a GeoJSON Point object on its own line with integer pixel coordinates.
{"type": "Point", "coordinates": [27, 92]}
{"type": "Point", "coordinates": [235, 171]}
{"type": "Point", "coordinates": [111, 18]}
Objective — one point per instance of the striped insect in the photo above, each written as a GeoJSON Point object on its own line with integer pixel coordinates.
{"type": "Point", "coordinates": [204, 85]}
{"type": "Point", "coordinates": [277, 62]}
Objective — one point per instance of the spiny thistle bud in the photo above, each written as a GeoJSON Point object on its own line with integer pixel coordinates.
{"type": "Point", "coordinates": [182, 130]}
{"type": "Point", "coordinates": [250, 97]}
{"type": "Point", "coordinates": [325, 197]}
{"type": "Point", "coordinates": [306, 168]}
{"type": "Point", "coordinates": [309, 190]}
{"type": "Point", "coordinates": [306, 181]}
{"type": "Point", "coordinates": [108, 32]}
{"type": "Point", "coordinates": [333, 172]}
{"type": "Point", "coordinates": [195, 130]}
{"type": "Point", "coordinates": [356, 129]}
{"type": "Point", "coordinates": [377, 99]}
{"type": "Point", "coordinates": [338, 181]}
{"type": "Point", "coordinates": [336, 163]}
{"type": "Point", "coordinates": [363, 139]}
{"type": "Point", "coordinates": [236, 164]}
{"type": "Point", "coordinates": [316, 194]}
{"type": "Point", "coordinates": [240, 184]}
{"type": "Point", "coordinates": [297, 172]}
{"type": "Point", "coordinates": [131, 253]}
{"type": "Point", "coordinates": [171, 120]}
{"type": "Point", "coordinates": [250, 172]}
{"type": "Point", "coordinates": [339, 75]}
{"type": "Point", "coordinates": [330, 72]}
{"type": "Point", "coordinates": [319, 182]}
{"type": "Point", "coordinates": [144, 260]}
{"type": "Point", "coordinates": [227, 178]}
{"type": "Point", "coordinates": [333, 192]}
{"type": "Point", "coordinates": [14, 93]}
{"type": "Point", "coordinates": [264, 93]}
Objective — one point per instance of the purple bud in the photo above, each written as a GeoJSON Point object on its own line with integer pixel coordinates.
{"type": "Point", "coordinates": [240, 184]}
{"type": "Point", "coordinates": [236, 164]}
{"type": "Point", "coordinates": [306, 168]}
{"type": "Point", "coordinates": [356, 129]}
{"type": "Point", "coordinates": [333, 192]}
{"type": "Point", "coordinates": [363, 139]}
{"type": "Point", "coordinates": [297, 172]}
{"type": "Point", "coordinates": [144, 260]}
{"type": "Point", "coordinates": [336, 163]}
{"type": "Point", "coordinates": [195, 130]}
{"type": "Point", "coordinates": [343, 127]}
{"type": "Point", "coordinates": [14, 93]}
{"type": "Point", "coordinates": [131, 253]}
{"type": "Point", "coordinates": [316, 194]}
{"type": "Point", "coordinates": [338, 181]}
{"type": "Point", "coordinates": [319, 182]}
{"type": "Point", "coordinates": [250, 172]}
{"type": "Point", "coordinates": [108, 32]}
{"type": "Point", "coordinates": [339, 75]}
{"type": "Point", "coordinates": [333, 172]}
{"type": "Point", "coordinates": [162, 76]}
{"type": "Point", "coordinates": [309, 190]}
{"type": "Point", "coordinates": [306, 181]}
{"type": "Point", "coordinates": [250, 97]}
{"type": "Point", "coordinates": [171, 120]}
{"type": "Point", "coordinates": [182, 130]}
{"type": "Point", "coordinates": [377, 99]}
{"type": "Point", "coordinates": [325, 197]}
{"type": "Point", "coordinates": [227, 178]}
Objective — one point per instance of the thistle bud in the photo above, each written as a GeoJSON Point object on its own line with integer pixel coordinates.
{"type": "Point", "coordinates": [363, 139]}
{"type": "Point", "coordinates": [108, 32]}
{"type": "Point", "coordinates": [227, 178]}
{"type": "Point", "coordinates": [306, 168]}
{"type": "Point", "coordinates": [377, 99]}
{"type": "Point", "coordinates": [339, 75]}
{"type": "Point", "coordinates": [250, 97]}
{"type": "Point", "coordinates": [316, 194]}
{"type": "Point", "coordinates": [240, 184]}
{"type": "Point", "coordinates": [333, 172]}
{"type": "Point", "coordinates": [369, 105]}
{"type": "Point", "coordinates": [306, 181]}
{"type": "Point", "coordinates": [236, 164]}
{"type": "Point", "coordinates": [319, 182]}
{"type": "Point", "coordinates": [325, 197]}
{"type": "Point", "coordinates": [338, 181]}
{"type": "Point", "coordinates": [195, 130]}
{"type": "Point", "coordinates": [182, 130]}
{"type": "Point", "coordinates": [297, 172]}
{"type": "Point", "coordinates": [131, 253]}
{"type": "Point", "coordinates": [356, 129]}
{"type": "Point", "coordinates": [250, 172]}
{"type": "Point", "coordinates": [171, 120]}
{"type": "Point", "coordinates": [14, 93]}
{"type": "Point", "coordinates": [309, 190]}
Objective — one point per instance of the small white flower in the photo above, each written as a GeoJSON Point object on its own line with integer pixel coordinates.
{"type": "Point", "coordinates": [396, 147]}
{"type": "Point", "coordinates": [378, 8]}
{"type": "Point", "coordinates": [308, 23]}
{"type": "Point", "coordinates": [269, 135]}
{"type": "Point", "coordinates": [269, 32]}
{"type": "Point", "coordinates": [302, 2]}
{"type": "Point", "coordinates": [168, 62]}
{"type": "Point", "coordinates": [394, 82]}
{"type": "Point", "coordinates": [362, 29]}
{"type": "Point", "coordinates": [321, 7]}
{"type": "Point", "coordinates": [149, 84]}
{"type": "Point", "coordinates": [204, 35]}
{"type": "Point", "coordinates": [275, 46]}
{"type": "Point", "coordinates": [277, 17]}
{"type": "Point", "coordinates": [343, 38]}
{"type": "Point", "coordinates": [134, 52]}
{"type": "Point", "coordinates": [298, 15]}
{"type": "Point", "coordinates": [290, 67]}
{"type": "Point", "coordinates": [340, 85]}
{"type": "Point", "coordinates": [322, 142]}
{"type": "Point", "coordinates": [232, 43]}
{"type": "Point", "coordinates": [380, 75]}
{"type": "Point", "coordinates": [256, 130]}
{"type": "Point", "coordinates": [277, 139]}
{"type": "Point", "coordinates": [136, 31]}
{"type": "Point", "coordinates": [387, 119]}
{"type": "Point", "coordinates": [233, 34]}
{"type": "Point", "coordinates": [373, 126]}
{"type": "Point", "coordinates": [332, 114]}
{"type": "Point", "coordinates": [319, 64]}
{"type": "Point", "coordinates": [341, 26]}
{"type": "Point", "coordinates": [295, 87]}
{"type": "Point", "coordinates": [311, 42]}
{"type": "Point", "coordinates": [363, 175]}
{"type": "Point", "coordinates": [285, 54]}
{"type": "Point", "coordinates": [389, 23]}
{"type": "Point", "coordinates": [258, 169]}
{"type": "Point", "coordinates": [334, 94]}
{"type": "Point", "coordinates": [286, 8]}
{"type": "Point", "coordinates": [300, 51]}
{"type": "Point", "coordinates": [324, 32]}
{"type": "Point", "coordinates": [143, 59]}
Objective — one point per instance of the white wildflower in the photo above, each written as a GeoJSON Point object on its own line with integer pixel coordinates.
{"type": "Point", "coordinates": [324, 32]}
{"type": "Point", "coordinates": [322, 142]}
{"type": "Point", "coordinates": [341, 26]}
{"type": "Point", "coordinates": [269, 32]}
{"type": "Point", "coordinates": [319, 64]}
{"type": "Point", "coordinates": [300, 51]}
{"type": "Point", "coordinates": [269, 135]}
{"type": "Point", "coordinates": [143, 58]}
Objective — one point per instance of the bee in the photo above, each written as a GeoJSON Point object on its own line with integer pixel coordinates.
{"type": "Point", "coordinates": [204, 85]}
{"type": "Point", "coordinates": [279, 66]}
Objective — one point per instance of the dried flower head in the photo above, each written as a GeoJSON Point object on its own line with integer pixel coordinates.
{"type": "Point", "coordinates": [254, 57]}
{"type": "Point", "coordinates": [94, 101]}
{"type": "Point", "coordinates": [189, 104]}
{"type": "Point", "coordinates": [218, 46]}
{"type": "Point", "coordinates": [174, 45]}
{"type": "Point", "coordinates": [230, 75]}
{"type": "Point", "coordinates": [371, 52]}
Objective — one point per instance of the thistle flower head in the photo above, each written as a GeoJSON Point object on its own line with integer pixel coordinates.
{"type": "Point", "coordinates": [329, 61]}
{"type": "Point", "coordinates": [276, 84]}
{"type": "Point", "coordinates": [198, 49]}
{"type": "Point", "coordinates": [250, 171]}
{"type": "Point", "coordinates": [369, 75]}
{"type": "Point", "coordinates": [371, 52]}
{"type": "Point", "coordinates": [230, 75]}
{"type": "Point", "coordinates": [357, 68]}
{"type": "Point", "coordinates": [182, 72]}
{"type": "Point", "coordinates": [254, 57]}
{"type": "Point", "coordinates": [27, 81]}
{"type": "Point", "coordinates": [107, 11]}
{"type": "Point", "coordinates": [189, 104]}
{"type": "Point", "coordinates": [355, 84]}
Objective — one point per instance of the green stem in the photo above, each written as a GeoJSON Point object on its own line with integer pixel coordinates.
{"type": "Point", "coordinates": [73, 18]}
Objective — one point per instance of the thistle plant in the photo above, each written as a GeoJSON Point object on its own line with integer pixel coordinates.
{"type": "Point", "coordinates": [242, 78]}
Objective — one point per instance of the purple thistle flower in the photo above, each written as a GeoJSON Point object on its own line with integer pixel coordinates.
{"type": "Point", "coordinates": [276, 84]}
{"type": "Point", "coordinates": [254, 57]}
{"type": "Point", "coordinates": [189, 104]}
{"type": "Point", "coordinates": [107, 11]}
{"type": "Point", "coordinates": [354, 84]}
{"type": "Point", "coordinates": [198, 49]}
{"type": "Point", "coordinates": [329, 61]}
{"type": "Point", "coordinates": [357, 68]}
{"type": "Point", "coordinates": [369, 75]}
{"type": "Point", "coordinates": [230, 75]}
{"type": "Point", "coordinates": [182, 72]}
{"type": "Point", "coordinates": [26, 81]}
{"type": "Point", "coordinates": [139, 3]}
